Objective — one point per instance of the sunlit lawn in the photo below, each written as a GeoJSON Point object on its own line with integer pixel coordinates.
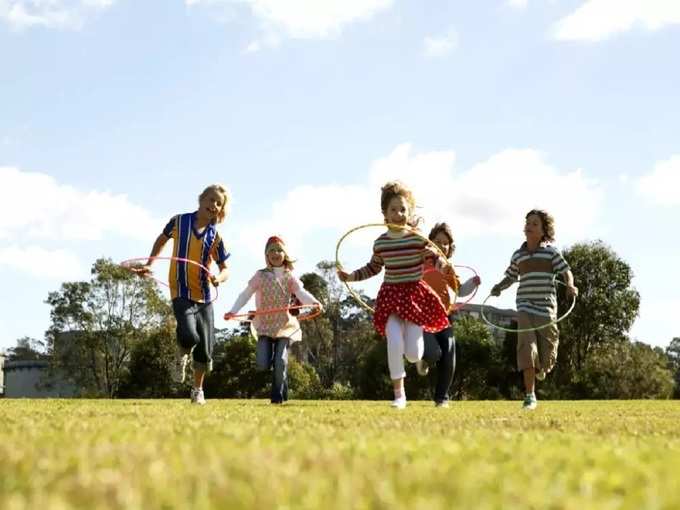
{"type": "Point", "coordinates": [92, 454]}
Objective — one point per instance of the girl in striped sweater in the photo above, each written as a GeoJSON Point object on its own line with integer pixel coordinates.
{"type": "Point", "coordinates": [405, 305]}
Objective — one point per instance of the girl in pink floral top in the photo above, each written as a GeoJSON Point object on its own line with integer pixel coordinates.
{"type": "Point", "coordinates": [273, 287]}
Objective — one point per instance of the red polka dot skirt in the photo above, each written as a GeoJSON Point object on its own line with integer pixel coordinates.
{"type": "Point", "coordinates": [412, 301]}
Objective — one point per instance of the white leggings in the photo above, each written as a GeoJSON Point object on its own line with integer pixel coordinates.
{"type": "Point", "coordinates": [404, 338]}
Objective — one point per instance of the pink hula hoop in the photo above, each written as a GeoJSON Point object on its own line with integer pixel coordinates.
{"type": "Point", "coordinates": [130, 263]}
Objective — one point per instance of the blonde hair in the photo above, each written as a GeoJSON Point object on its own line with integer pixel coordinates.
{"type": "Point", "coordinates": [288, 262]}
{"type": "Point", "coordinates": [394, 189]}
{"type": "Point", "coordinates": [222, 190]}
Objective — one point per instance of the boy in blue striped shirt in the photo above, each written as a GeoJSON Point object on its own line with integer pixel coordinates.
{"type": "Point", "coordinates": [536, 265]}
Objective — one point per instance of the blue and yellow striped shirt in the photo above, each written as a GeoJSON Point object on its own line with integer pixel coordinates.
{"type": "Point", "coordinates": [188, 280]}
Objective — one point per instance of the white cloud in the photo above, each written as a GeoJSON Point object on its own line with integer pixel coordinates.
{"type": "Point", "coordinates": [38, 207]}
{"type": "Point", "coordinates": [517, 4]}
{"type": "Point", "coordinates": [301, 19]}
{"type": "Point", "coordinates": [440, 46]}
{"type": "Point", "coordinates": [657, 323]}
{"type": "Point", "coordinates": [58, 265]}
{"type": "Point", "coordinates": [597, 20]}
{"type": "Point", "coordinates": [489, 199]}
{"type": "Point", "coordinates": [663, 183]}
{"type": "Point", "coordinates": [62, 14]}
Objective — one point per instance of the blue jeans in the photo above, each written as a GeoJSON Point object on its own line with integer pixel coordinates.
{"type": "Point", "coordinates": [273, 352]}
{"type": "Point", "coordinates": [440, 350]}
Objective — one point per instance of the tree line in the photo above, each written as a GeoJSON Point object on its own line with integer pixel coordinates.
{"type": "Point", "coordinates": [113, 336]}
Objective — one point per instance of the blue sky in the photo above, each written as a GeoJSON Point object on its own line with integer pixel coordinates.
{"type": "Point", "coordinates": [115, 114]}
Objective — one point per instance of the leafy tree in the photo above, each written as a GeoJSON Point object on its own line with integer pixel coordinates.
{"type": "Point", "coordinates": [27, 349]}
{"type": "Point", "coordinates": [605, 309]}
{"type": "Point", "coordinates": [96, 324]}
{"type": "Point", "coordinates": [673, 355]}
{"type": "Point", "coordinates": [626, 370]}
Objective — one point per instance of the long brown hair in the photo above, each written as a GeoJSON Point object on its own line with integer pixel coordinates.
{"type": "Point", "coordinates": [394, 189]}
{"type": "Point", "coordinates": [548, 223]}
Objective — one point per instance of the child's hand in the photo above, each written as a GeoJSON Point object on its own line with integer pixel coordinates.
{"type": "Point", "coordinates": [141, 269]}
{"type": "Point", "coordinates": [496, 290]}
{"type": "Point", "coordinates": [572, 291]}
{"type": "Point", "coordinates": [343, 276]}
{"type": "Point", "coordinates": [214, 280]}
{"type": "Point", "coordinates": [229, 316]}
{"type": "Point", "coordinates": [477, 281]}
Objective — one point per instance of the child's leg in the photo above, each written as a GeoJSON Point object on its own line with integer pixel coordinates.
{"type": "Point", "coordinates": [264, 352]}
{"type": "Point", "coordinates": [394, 331]}
{"type": "Point", "coordinates": [187, 332]}
{"type": "Point", "coordinates": [280, 378]}
{"type": "Point", "coordinates": [202, 354]}
{"type": "Point", "coordinates": [413, 341]}
{"type": "Point", "coordinates": [446, 365]}
{"type": "Point", "coordinates": [527, 352]}
{"type": "Point", "coordinates": [548, 340]}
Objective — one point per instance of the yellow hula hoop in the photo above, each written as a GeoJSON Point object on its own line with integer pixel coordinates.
{"type": "Point", "coordinates": [394, 226]}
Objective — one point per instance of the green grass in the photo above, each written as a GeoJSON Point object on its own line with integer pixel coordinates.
{"type": "Point", "coordinates": [236, 454]}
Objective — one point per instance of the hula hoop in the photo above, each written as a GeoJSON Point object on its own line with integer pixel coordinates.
{"type": "Point", "coordinates": [338, 265]}
{"type": "Point", "coordinates": [245, 317]}
{"type": "Point", "coordinates": [523, 330]}
{"type": "Point", "coordinates": [130, 263]}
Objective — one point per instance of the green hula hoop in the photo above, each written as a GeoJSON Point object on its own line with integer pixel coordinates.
{"type": "Point", "coordinates": [526, 330]}
{"type": "Point", "coordinates": [338, 265]}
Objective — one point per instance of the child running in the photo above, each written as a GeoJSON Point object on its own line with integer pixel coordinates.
{"type": "Point", "coordinates": [405, 304]}
{"type": "Point", "coordinates": [274, 286]}
{"type": "Point", "coordinates": [440, 346]}
{"type": "Point", "coordinates": [195, 238]}
{"type": "Point", "coordinates": [536, 264]}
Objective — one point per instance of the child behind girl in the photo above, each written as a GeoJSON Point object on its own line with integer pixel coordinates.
{"type": "Point", "coordinates": [440, 346]}
{"type": "Point", "coordinates": [273, 287]}
{"type": "Point", "coordinates": [405, 304]}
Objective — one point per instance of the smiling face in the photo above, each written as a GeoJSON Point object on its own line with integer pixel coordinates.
{"type": "Point", "coordinates": [397, 211]}
{"type": "Point", "coordinates": [533, 229]}
{"type": "Point", "coordinates": [276, 255]}
{"type": "Point", "coordinates": [211, 205]}
{"type": "Point", "coordinates": [444, 242]}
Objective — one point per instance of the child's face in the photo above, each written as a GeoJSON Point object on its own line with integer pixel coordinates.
{"type": "Point", "coordinates": [397, 211]}
{"type": "Point", "coordinates": [533, 228]}
{"type": "Point", "coordinates": [443, 241]}
{"type": "Point", "coordinates": [276, 255]}
{"type": "Point", "coordinates": [211, 204]}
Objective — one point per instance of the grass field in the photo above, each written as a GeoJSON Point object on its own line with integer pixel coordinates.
{"type": "Point", "coordinates": [59, 454]}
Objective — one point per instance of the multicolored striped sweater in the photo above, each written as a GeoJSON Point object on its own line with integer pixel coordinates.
{"type": "Point", "coordinates": [401, 256]}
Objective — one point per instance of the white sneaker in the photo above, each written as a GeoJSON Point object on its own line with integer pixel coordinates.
{"type": "Point", "coordinates": [540, 375]}
{"type": "Point", "coordinates": [399, 403]}
{"type": "Point", "coordinates": [197, 396]}
{"type": "Point", "coordinates": [442, 405]}
{"type": "Point", "coordinates": [179, 369]}
{"type": "Point", "coordinates": [422, 367]}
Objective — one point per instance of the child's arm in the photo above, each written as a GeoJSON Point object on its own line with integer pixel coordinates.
{"type": "Point", "coordinates": [502, 285]}
{"type": "Point", "coordinates": [241, 300]}
{"type": "Point", "coordinates": [572, 290]}
{"type": "Point", "coordinates": [469, 285]}
{"type": "Point", "coordinates": [303, 295]}
{"type": "Point", "coordinates": [371, 269]}
{"type": "Point", "coordinates": [158, 246]}
{"type": "Point", "coordinates": [221, 276]}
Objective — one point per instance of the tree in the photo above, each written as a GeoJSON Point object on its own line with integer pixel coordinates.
{"type": "Point", "coordinates": [626, 370]}
{"type": "Point", "coordinates": [605, 309]}
{"type": "Point", "coordinates": [673, 355]}
{"type": "Point", "coordinates": [27, 349]}
{"type": "Point", "coordinates": [96, 324]}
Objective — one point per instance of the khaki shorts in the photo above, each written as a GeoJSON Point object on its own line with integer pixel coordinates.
{"type": "Point", "coordinates": [536, 349]}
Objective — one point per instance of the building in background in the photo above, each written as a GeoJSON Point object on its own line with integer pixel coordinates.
{"type": "Point", "coordinates": [506, 318]}
{"type": "Point", "coordinates": [32, 379]}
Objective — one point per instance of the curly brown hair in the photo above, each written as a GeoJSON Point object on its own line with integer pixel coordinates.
{"type": "Point", "coordinates": [443, 228]}
{"type": "Point", "coordinates": [394, 189]}
{"type": "Point", "coordinates": [547, 222]}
